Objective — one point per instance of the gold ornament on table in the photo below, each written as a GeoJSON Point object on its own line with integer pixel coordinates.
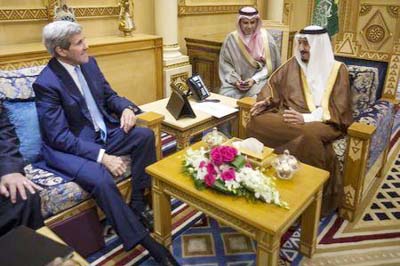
{"type": "Point", "coordinates": [126, 24]}
{"type": "Point", "coordinates": [63, 12]}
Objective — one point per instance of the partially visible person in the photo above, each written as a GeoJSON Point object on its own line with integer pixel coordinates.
{"type": "Point", "coordinates": [248, 56]}
{"type": "Point", "coordinates": [19, 200]}
{"type": "Point", "coordinates": [305, 106]}
{"type": "Point", "coordinates": [86, 128]}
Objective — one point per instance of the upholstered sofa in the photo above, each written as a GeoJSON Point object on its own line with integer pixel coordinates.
{"type": "Point", "coordinates": [363, 151]}
{"type": "Point", "coordinates": [66, 207]}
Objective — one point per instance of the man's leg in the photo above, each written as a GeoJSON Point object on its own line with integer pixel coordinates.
{"type": "Point", "coordinates": [23, 212]}
{"type": "Point", "coordinates": [95, 178]}
{"type": "Point", "coordinates": [139, 143]}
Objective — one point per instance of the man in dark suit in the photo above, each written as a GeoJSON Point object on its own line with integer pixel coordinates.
{"type": "Point", "coordinates": [84, 141]}
{"type": "Point", "coordinates": [19, 202]}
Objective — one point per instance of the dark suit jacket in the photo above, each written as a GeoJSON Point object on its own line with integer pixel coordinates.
{"type": "Point", "coordinates": [10, 159]}
{"type": "Point", "coordinates": [66, 126]}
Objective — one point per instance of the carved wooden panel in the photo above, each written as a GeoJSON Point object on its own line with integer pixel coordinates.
{"type": "Point", "coordinates": [369, 29]}
{"type": "Point", "coordinates": [211, 7]}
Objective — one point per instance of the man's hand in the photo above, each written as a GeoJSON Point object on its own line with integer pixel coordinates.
{"type": "Point", "coordinates": [293, 117]}
{"type": "Point", "coordinates": [260, 106]}
{"type": "Point", "coordinates": [128, 120]}
{"type": "Point", "coordinates": [244, 85]}
{"type": "Point", "coordinates": [114, 164]}
{"type": "Point", "coordinates": [14, 183]}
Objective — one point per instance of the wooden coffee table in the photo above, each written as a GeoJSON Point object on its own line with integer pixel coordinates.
{"type": "Point", "coordinates": [262, 222]}
{"type": "Point", "coordinates": [185, 128]}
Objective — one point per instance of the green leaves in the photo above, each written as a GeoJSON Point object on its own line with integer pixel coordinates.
{"type": "Point", "coordinates": [239, 162]}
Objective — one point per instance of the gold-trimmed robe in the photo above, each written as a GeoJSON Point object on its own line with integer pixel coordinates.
{"type": "Point", "coordinates": [311, 142]}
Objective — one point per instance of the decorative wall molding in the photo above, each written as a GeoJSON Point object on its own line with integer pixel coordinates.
{"type": "Point", "coordinates": [23, 14]}
{"type": "Point", "coordinates": [47, 13]}
{"type": "Point", "coordinates": [185, 9]}
{"type": "Point", "coordinates": [393, 11]}
{"type": "Point", "coordinates": [365, 9]}
{"type": "Point", "coordinates": [287, 13]}
{"type": "Point", "coordinates": [177, 65]}
{"type": "Point", "coordinates": [376, 32]}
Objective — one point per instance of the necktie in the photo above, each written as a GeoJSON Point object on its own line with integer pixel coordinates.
{"type": "Point", "coordinates": [94, 111]}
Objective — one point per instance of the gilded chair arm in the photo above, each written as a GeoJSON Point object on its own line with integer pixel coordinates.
{"type": "Point", "coordinates": [361, 131]}
{"type": "Point", "coordinates": [152, 121]}
{"type": "Point", "coordinates": [368, 142]}
{"type": "Point", "coordinates": [244, 105]}
{"type": "Point", "coordinates": [246, 102]}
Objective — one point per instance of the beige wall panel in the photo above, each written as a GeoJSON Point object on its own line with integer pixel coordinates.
{"type": "Point", "coordinates": [96, 27]}
{"type": "Point", "coordinates": [21, 32]}
{"type": "Point", "coordinates": [22, 3]}
{"type": "Point", "coordinates": [300, 15]}
{"type": "Point", "coordinates": [274, 10]}
{"type": "Point", "coordinates": [127, 76]}
{"type": "Point", "coordinates": [194, 26]}
{"type": "Point", "coordinates": [144, 16]}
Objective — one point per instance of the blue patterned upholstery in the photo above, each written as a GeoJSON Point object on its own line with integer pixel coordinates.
{"type": "Point", "coordinates": [17, 84]}
{"type": "Point", "coordinates": [379, 115]}
{"type": "Point", "coordinates": [277, 36]}
{"type": "Point", "coordinates": [58, 195]}
{"type": "Point", "coordinates": [364, 82]}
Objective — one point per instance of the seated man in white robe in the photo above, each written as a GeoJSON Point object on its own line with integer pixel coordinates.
{"type": "Point", "coordinates": [248, 56]}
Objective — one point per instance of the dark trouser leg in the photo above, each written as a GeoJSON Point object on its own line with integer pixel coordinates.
{"type": "Point", "coordinates": [139, 143]}
{"type": "Point", "coordinates": [95, 179]}
{"type": "Point", "coordinates": [23, 212]}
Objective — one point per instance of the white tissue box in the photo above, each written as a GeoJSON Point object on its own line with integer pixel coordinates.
{"type": "Point", "coordinates": [257, 159]}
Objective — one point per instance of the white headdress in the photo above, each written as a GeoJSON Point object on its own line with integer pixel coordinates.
{"type": "Point", "coordinates": [319, 66]}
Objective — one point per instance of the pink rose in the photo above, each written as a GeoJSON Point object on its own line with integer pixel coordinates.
{"type": "Point", "coordinates": [209, 179]}
{"type": "Point", "coordinates": [202, 164]}
{"type": "Point", "coordinates": [228, 154]}
{"type": "Point", "coordinates": [228, 174]}
{"type": "Point", "coordinates": [216, 156]}
{"type": "Point", "coordinates": [211, 169]}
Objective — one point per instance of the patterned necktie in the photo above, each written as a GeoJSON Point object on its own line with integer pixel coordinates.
{"type": "Point", "coordinates": [94, 111]}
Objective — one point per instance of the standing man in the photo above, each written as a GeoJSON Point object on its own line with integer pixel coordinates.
{"type": "Point", "coordinates": [305, 106]}
{"type": "Point", "coordinates": [248, 56]}
{"type": "Point", "coordinates": [83, 140]}
{"type": "Point", "coordinates": [19, 202]}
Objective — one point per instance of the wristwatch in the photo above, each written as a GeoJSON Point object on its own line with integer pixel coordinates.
{"type": "Point", "coordinates": [134, 109]}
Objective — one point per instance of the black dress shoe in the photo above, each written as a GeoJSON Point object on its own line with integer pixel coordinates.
{"type": "Point", "coordinates": [146, 217]}
{"type": "Point", "coordinates": [168, 260]}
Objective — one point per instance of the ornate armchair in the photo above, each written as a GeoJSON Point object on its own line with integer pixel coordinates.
{"type": "Point", "coordinates": [362, 153]}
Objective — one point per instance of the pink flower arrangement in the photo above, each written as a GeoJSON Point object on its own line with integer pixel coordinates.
{"type": "Point", "coordinates": [224, 169]}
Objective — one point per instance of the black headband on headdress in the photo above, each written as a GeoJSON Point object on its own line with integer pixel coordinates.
{"type": "Point", "coordinates": [248, 13]}
{"type": "Point", "coordinates": [321, 31]}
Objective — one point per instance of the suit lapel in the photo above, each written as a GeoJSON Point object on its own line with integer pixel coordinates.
{"type": "Point", "coordinates": [70, 86]}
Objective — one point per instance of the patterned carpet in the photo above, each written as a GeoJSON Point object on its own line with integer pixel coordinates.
{"type": "Point", "coordinates": [373, 239]}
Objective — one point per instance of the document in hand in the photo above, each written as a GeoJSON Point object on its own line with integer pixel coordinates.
{"type": "Point", "coordinates": [217, 110]}
{"type": "Point", "coordinates": [23, 246]}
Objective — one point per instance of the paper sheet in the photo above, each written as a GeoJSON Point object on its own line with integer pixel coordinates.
{"type": "Point", "coordinates": [217, 110]}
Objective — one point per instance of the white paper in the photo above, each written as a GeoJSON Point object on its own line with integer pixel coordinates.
{"type": "Point", "coordinates": [217, 110]}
